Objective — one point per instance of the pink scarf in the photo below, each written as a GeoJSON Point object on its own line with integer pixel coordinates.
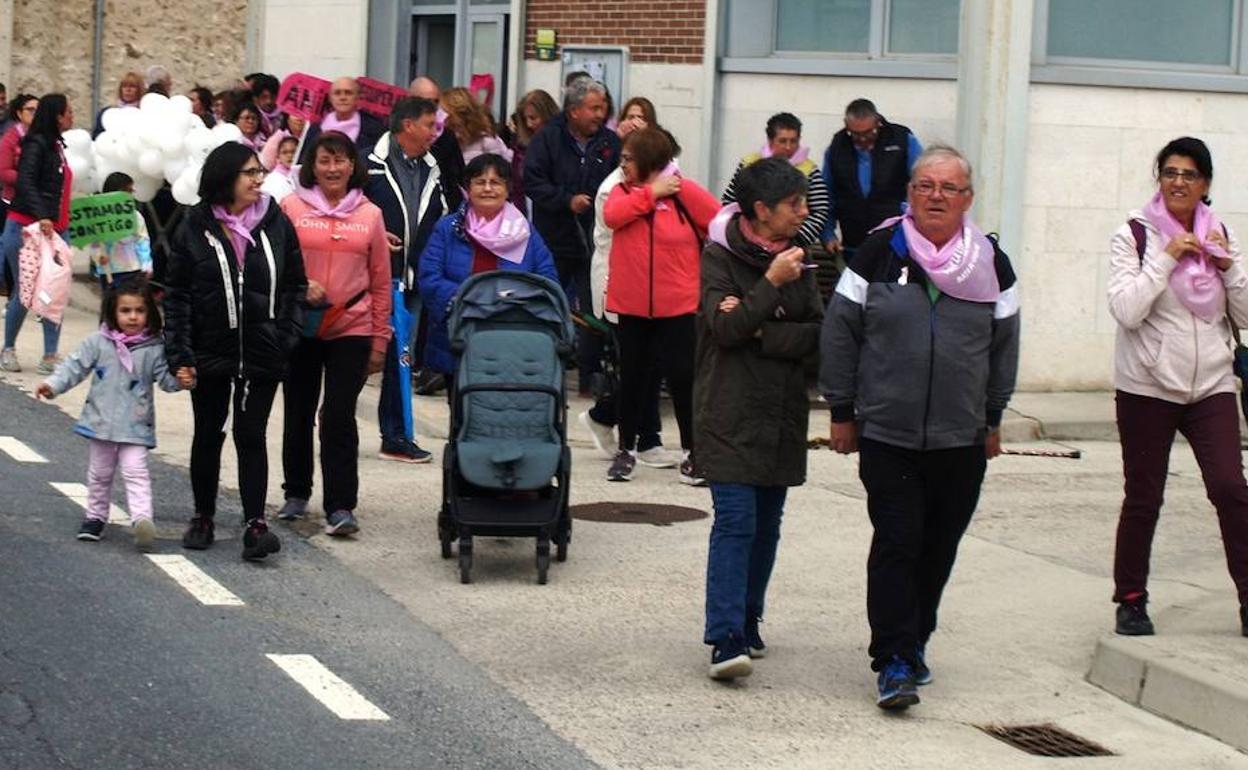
{"type": "Point", "coordinates": [350, 126]}
{"type": "Point", "coordinates": [439, 123]}
{"type": "Point", "coordinates": [964, 268]}
{"type": "Point", "coordinates": [315, 198]}
{"type": "Point", "coordinates": [717, 231]}
{"type": "Point", "coordinates": [122, 342]}
{"type": "Point", "coordinates": [802, 153]}
{"type": "Point", "coordinates": [506, 235]}
{"type": "Point", "coordinates": [240, 225]}
{"type": "Point", "coordinates": [1196, 282]}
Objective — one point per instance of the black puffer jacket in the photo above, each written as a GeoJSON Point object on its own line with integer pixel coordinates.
{"type": "Point", "coordinates": [751, 410]}
{"type": "Point", "coordinates": [40, 179]}
{"type": "Point", "coordinates": [246, 326]}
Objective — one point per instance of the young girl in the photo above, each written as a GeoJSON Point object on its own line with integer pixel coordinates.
{"type": "Point", "coordinates": [123, 359]}
{"type": "Point", "coordinates": [126, 259]}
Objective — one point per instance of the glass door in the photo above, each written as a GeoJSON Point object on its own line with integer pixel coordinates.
{"type": "Point", "coordinates": [433, 48]}
{"type": "Point", "coordinates": [486, 61]}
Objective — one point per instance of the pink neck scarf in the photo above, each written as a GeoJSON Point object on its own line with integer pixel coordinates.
{"type": "Point", "coordinates": [321, 207]}
{"type": "Point", "coordinates": [439, 123]}
{"type": "Point", "coordinates": [1196, 281]}
{"type": "Point", "coordinates": [964, 268]}
{"type": "Point", "coordinates": [506, 235]}
{"type": "Point", "coordinates": [240, 225]}
{"type": "Point", "coordinates": [803, 152]}
{"type": "Point", "coordinates": [350, 126]}
{"type": "Point", "coordinates": [122, 342]}
{"type": "Point", "coordinates": [717, 231]}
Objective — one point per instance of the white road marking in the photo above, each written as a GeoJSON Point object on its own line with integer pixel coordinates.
{"type": "Point", "coordinates": [324, 685]}
{"type": "Point", "coordinates": [78, 493]}
{"type": "Point", "coordinates": [19, 451]}
{"type": "Point", "coordinates": [196, 582]}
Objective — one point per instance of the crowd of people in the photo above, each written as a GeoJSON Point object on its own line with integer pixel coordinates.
{"type": "Point", "coordinates": [311, 270]}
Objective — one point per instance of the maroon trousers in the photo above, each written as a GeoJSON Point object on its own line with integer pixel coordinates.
{"type": "Point", "coordinates": [1146, 428]}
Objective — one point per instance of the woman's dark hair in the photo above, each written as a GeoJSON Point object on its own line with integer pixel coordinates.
{"type": "Point", "coordinates": [652, 150]}
{"type": "Point", "coordinates": [51, 108]}
{"type": "Point", "coordinates": [204, 95]}
{"type": "Point", "coordinates": [335, 143]}
{"type": "Point", "coordinates": [221, 168]}
{"type": "Point", "coordinates": [118, 180]}
{"type": "Point", "coordinates": [483, 163]}
{"type": "Point", "coordinates": [647, 110]}
{"type": "Point", "coordinates": [242, 107]}
{"type": "Point", "coordinates": [262, 82]}
{"type": "Point", "coordinates": [1194, 150]}
{"type": "Point", "coordinates": [785, 120]}
{"type": "Point", "coordinates": [136, 286]}
{"type": "Point", "coordinates": [18, 102]}
{"type": "Point", "coordinates": [768, 181]}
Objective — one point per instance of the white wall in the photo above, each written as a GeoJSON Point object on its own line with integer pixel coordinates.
{"type": "Point", "coordinates": [327, 38]}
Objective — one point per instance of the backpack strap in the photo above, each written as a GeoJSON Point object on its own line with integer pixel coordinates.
{"type": "Point", "coordinates": [1140, 235]}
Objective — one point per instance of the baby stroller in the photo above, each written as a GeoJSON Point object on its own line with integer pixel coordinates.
{"type": "Point", "coordinates": [506, 467]}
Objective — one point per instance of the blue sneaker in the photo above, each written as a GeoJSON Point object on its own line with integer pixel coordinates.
{"type": "Point", "coordinates": [897, 688]}
{"type": "Point", "coordinates": [341, 524]}
{"type": "Point", "coordinates": [922, 674]}
{"type": "Point", "coordinates": [757, 648]}
{"type": "Point", "coordinates": [730, 659]}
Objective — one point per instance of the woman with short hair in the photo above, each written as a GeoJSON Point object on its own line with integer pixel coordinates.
{"type": "Point", "coordinates": [130, 91]}
{"type": "Point", "coordinates": [249, 120]}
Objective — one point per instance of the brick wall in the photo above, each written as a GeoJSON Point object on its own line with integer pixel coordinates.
{"type": "Point", "coordinates": [656, 32]}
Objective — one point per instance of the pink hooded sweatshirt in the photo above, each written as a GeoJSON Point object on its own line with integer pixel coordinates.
{"type": "Point", "coordinates": [346, 252]}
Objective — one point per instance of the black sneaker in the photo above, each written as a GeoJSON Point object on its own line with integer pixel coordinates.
{"type": "Point", "coordinates": [199, 535]}
{"type": "Point", "coordinates": [757, 648]}
{"type": "Point", "coordinates": [258, 541]}
{"type": "Point", "coordinates": [622, 466]}
{"type": "Point", "coordinates": [429, 383]}
{"type": "Point", "coordinates": [730, 659]}
{"type": "Point", "coordinates": [341, 524]}
{"type": "Point", "coordinates": [690, 473]}
{"type": "Point", "coordinates": [404, 451]}
{"type": "Point", "coordinates": [922, 674]}
{"type": "Point", "coordinates": [897, 686]}
{"type": "Point", "coordinates": [1132, 618]}
{"type": "Point", "coordinates": [91, 530]}
{"type": "Point", "coordinates": [293, 509]}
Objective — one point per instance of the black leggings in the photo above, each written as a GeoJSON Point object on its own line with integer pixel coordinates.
{"type": "Point", "coordinates": [210, 400]}
{"type": "Point", "coordinates": [343, 363]}
{"type": "Point", "coordinates": [651, 348]}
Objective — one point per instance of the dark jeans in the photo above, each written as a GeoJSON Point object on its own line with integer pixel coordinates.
{"type": "Point", "coordinates": [648, 347]}
{"type": "Point", "coordinates": [744, 537]}
{"type": "Point", "coordinates": [606, 411]}
{"type": "Point", "coordinates": [393, 389]}
{"type": "Point", "coordinates": [920, 503]}
{"type": "Point", "coordinates": [210, 400]}
{"type": "Point", "coordinates": [1146, 428]}
{"type": "Point", "coordinates": [343, 363]}
{"type": "Point", "coordinates": [574, 277]}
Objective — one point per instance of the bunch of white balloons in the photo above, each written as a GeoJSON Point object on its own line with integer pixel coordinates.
{"type": "Point", "coordinates": [159, 141]}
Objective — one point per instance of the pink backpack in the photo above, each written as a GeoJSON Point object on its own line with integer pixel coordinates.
{"type": "Point", "coordinates": [45, 266]}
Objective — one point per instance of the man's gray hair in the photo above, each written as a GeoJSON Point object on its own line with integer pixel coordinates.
{"type": "Point", "coordinates": [861, 109]}
{"type": "Point", "coordinates": [576, 92]}
{"type": "Point", "coordinates": [156, 74]}
{"type": "Point", "coordinates": [942, 152]}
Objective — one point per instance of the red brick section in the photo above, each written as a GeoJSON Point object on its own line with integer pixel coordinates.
{"type": "Point", "coordinates": [662, 32]}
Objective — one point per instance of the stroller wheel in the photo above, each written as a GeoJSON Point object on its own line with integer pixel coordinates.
{"type": "Point", "coordinates": [543, 561]}
{"type": "Point", "coordinates": [465, 564]}
{"type": "Point", "coordinates": [446, 548]}
{"type": "Point", "coordinates": [561, 549]}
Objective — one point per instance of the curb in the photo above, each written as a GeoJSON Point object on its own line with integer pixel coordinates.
{"type": "Point", "coordinates": [1172, 688]}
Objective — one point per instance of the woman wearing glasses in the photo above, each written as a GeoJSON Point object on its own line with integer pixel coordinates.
{"type": "Point", "coordinates": [1177, 286]}
{"type": "Point", "coordinates": [235, 280]}
{"type": "Point", "coordinates": [21, 113]}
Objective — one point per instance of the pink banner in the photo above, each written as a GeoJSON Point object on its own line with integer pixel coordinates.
{"type": "Point", "coordinates": [377, 97]}
{"type": "Point", "coordinates": [304, 95]}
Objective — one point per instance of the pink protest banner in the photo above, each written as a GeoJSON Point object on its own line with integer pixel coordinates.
{"type": "Point", "coordinates": [377, 97]}
{"type": "Point", "coordinates": [304, 95]}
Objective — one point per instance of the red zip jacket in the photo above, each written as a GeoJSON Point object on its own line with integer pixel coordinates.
{"type": "Point", "coordinates": [656, 254]}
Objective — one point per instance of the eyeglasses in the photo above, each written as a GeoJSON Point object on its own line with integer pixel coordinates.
{"type": "Point", "coordinates": [927, 187]}
{"type": "Point", "coordinates": [482, 183]}
{"type": "Point", "coordinates": [870, 133]}
{"type": "Point", "coordinates": [254, 173]}
{"type": "Point", "coordinates": [1186, 174]}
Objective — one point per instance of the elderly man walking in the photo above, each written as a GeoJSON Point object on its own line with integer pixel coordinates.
{"type": "Point", "coordinates": [566, 162]}
{"type": "Point", "coordinates": [919, 357]}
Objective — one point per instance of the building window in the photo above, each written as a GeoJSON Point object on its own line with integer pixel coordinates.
{"type": "Point", "coordinates": [886, 38]}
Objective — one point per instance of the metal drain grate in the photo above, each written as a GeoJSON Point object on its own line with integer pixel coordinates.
{"type": "Point", "coordinates": [636, 513]}
{"type": "Point", "coordinates": [1046, 740]}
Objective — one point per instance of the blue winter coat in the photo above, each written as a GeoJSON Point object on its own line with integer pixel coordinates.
{"type": "Point", "coordinates": [446, 263]}
{"type": "Point", "coordinates": [119, 407]}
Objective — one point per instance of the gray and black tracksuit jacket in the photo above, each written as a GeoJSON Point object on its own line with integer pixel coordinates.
{"type": "Point", "coordinates": [913, 371]}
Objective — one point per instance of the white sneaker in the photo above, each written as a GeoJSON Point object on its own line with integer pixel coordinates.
{"type": "Point", "coordinates": [658, 457]}
{"type": "Point", "coordinates": [8, 361]}
{"type": "Point", "coordinates": [602, 435]}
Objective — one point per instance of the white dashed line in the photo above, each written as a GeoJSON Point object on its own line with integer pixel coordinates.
{"type": "Point", "coordinates": [324, 685]}
{"type": "Point", "coordinates": [19, 451]}
{"type": "Point", "coordinates": [196, 582]}
{"type": "Point", "coordinates": [78, 493]}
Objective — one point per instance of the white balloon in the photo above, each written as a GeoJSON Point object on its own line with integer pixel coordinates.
{"type": "Point", "coordinates": [145, 188]}
{"type": "Point", "coordinates": [121, 119]}
{"type": "Point", "coordinates": [152, 163]}
{"type": "Point", "coordinates": [227, 132]}
{"type": "Point", "coordinates": [152, 131]}
{"type": "Point", "coordinates": [78, 141]}
{"type": "Point", "coordinates": [174, 168]}
{"type": "Point", "coordinates": [78, 166]}
{"type": "Point", "coordinates": [185, 191]}
{"type": "Point", "coordinates": [154, 102]}
{"type": "Point", "coordinates": [181, 103]}
{"type": "Point", "coordinates": [172, 143]}
{"type": "Point", "coordinates": [134, 147]}
{"type": "Point", "coordinates": [111, 119]}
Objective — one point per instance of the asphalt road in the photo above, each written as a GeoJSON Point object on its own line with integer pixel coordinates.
{"type": "Point", "coordinates": [107, 662]}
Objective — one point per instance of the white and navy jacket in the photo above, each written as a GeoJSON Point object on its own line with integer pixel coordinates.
{"type": "Point", "coordinates": [916, 372]}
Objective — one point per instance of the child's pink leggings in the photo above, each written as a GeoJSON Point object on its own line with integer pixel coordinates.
{"type": "Point", "coordinates": [107, 457]}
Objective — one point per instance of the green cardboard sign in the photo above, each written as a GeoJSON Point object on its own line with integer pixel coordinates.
{"type": "Point", "coordinates": [105, 218]}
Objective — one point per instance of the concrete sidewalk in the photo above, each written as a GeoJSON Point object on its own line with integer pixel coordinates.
{"type": "Point", "coordinates": [610, 654]}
